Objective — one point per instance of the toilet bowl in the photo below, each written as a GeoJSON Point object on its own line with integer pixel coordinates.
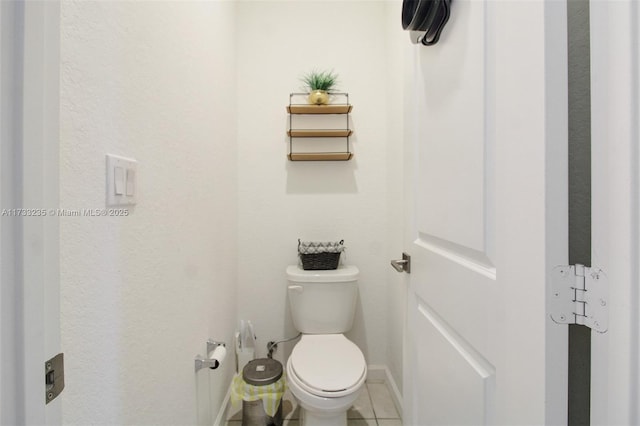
{"type": "Point", "coordinates": [326, 374]}
{"type": "Point", "coordinates": [326, 371]}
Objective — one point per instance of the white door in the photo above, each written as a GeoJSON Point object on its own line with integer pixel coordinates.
{"type": "Point", "coordinates": [486, 156]}
{"type": "Point", "coordinates": [615, 163]}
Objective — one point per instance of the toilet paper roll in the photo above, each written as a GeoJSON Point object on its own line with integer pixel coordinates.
{"type": "Point", "coordinates": [218, 355]}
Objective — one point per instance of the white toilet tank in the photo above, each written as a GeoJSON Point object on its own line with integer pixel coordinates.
{"type": "Point", "coordinates": [323, 302]}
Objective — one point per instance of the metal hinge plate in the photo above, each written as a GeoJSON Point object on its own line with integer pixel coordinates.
{"type": "Point", "coordinates": [580, 296]}
{"type": "Point", "coordinates": [53, 377]}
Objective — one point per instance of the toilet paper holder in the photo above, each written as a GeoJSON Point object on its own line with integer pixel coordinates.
{"type": "Point", "coordinates": [216, 352]}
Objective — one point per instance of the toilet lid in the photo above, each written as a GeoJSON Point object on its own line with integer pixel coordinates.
{"type": "Point", "coordinates": [327, 362]}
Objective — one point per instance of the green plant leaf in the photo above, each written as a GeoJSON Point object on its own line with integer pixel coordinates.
{"type": "Point", "coordinates": [320, 80]}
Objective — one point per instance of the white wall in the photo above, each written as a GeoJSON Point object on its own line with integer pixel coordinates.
{"type": "Point", "coordinates": [281, 201]}
{"type": "Point", "coordinates": [140, 295]}
{"type": "Point", "coordinates": [397, 47]}
{"type": "Point", "coordinates": [220, 208]}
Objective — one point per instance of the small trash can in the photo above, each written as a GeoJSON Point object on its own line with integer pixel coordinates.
{"type": "Point", "coordinates": [262, 387]}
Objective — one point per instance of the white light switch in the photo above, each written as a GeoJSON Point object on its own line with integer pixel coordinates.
{"type": "Point", "coordinates": [118, 180]}
{"type": "Point", "coordinates": [122, 174]}
{"type": "Point", "coordinates": [131, 182]}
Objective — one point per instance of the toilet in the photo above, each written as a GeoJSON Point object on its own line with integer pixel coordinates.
{"type": "Point", "coordinates": [326, 371]}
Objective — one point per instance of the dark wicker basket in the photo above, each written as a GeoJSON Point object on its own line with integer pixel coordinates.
{"type": "Point", "coordinates": [320, 261]}
{"type": "Point", "coordinates": [323, 256]}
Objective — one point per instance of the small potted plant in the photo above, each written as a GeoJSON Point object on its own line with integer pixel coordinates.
{"type": "Point", "coordinates": [319, 84]}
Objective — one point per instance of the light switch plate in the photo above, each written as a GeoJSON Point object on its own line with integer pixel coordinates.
{"type": "Point", "coordinates": [126, 193]}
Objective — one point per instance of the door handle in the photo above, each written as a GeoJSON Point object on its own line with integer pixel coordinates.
{"type": "Point", "coordinates": [402, 265]}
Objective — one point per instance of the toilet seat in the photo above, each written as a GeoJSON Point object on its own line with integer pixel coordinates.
{"type": "Point", "coordinates": [327, 365]}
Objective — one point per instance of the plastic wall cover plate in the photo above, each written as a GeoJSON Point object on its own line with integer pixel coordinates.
{"type": "Point", "coordinates": [121, 181]}
{"type": "Point", "coordinates": [425, 19]}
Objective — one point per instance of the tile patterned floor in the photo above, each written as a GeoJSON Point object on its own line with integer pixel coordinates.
{"type": "Point", "coordinates": [374, 407]}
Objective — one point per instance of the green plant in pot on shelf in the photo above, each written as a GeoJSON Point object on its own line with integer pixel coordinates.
{"type": "Point", "coordinates": [319, 84]}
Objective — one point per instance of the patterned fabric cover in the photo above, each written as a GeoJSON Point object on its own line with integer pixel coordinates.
{"type": "Point", "coordinates": [271, 395]}
{"type": "Point", "coordinates": [313, 247]}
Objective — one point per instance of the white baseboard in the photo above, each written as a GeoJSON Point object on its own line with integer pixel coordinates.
{"type": "Point", "coordinates": [221, 419]}
{"type": "Point", "coordinates": [381, 374]}
{"type": "Point", "coordinates": [396, 393]}
{"type": "Point", "coordinates": [376, 373]}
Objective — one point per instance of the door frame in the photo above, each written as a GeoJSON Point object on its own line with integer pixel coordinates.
{"type": "Point", "coordinates": [615, 165]}
{"type": "Point", "coordinates": [29, 164]}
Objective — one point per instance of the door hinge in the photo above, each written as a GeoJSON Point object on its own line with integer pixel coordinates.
{"type": "Point", "coordinates": [53, 377]}
{"type": "Point", "coordinates": [580, 296]}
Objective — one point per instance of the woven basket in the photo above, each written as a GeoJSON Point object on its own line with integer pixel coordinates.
{"type": "Point", "coordinates": [320, 256]}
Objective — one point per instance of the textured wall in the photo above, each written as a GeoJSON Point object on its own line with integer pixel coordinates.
{"type": "Point", "coordinates": [140, 295]}
{"type": "Point", "coordinates": [281, 201]}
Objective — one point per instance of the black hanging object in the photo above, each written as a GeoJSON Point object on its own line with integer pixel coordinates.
{"type": "Point", "coordinates": [427, 16]}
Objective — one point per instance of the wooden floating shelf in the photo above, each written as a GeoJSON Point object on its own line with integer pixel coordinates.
{"type": "Point", "coordinates": [319, 133]}
{"type": "Point", "coordinates": [335, 113]}
{"type": "Point", "coordinates": [320, 156]}
{"type": "Point", "coordinates": [319, 109]}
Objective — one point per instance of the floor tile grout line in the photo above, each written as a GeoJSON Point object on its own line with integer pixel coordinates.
{"type": "Point", "coordinates": [375, 416]}
{"type": "Point", "coordinates": [389, 398]}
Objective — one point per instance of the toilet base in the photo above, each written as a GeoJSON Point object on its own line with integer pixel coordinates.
{"type": "Point", "coordinates": [310, 418]}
